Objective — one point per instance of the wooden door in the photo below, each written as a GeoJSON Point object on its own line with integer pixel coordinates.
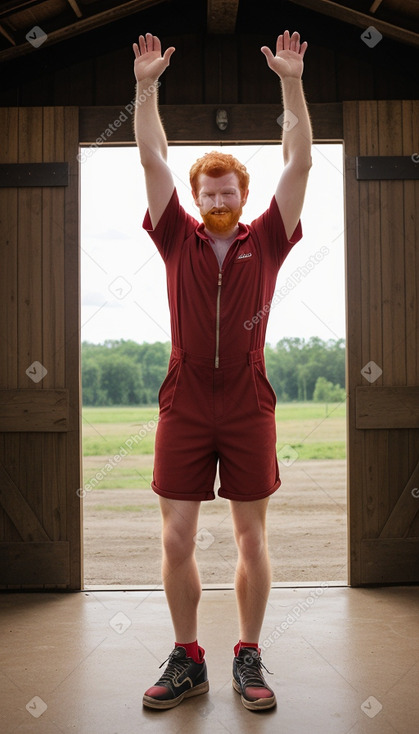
{"type": "Point", "coordinates": [382, 263]}
{"type": "Point", "coordinates": [40, 452]}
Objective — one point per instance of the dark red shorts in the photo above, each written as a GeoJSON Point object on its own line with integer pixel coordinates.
{"type": "Point", "coordinates": [209, 415]}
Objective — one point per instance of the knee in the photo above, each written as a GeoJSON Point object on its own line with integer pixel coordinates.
{"type": "Point", "coordinates": [178, 545]}
{"type": "Point", "coordinates": [251, 542]}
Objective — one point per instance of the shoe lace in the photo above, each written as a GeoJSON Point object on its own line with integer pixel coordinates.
{"type": "Point", "coordinates": [251, 670]}
{"type": "Point", "coordinates": [175, 666]}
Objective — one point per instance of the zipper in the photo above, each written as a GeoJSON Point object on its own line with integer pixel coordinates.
{"type": "Point", "coordinates": [217, 325]}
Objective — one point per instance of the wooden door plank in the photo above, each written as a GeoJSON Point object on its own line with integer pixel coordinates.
{"type": "Point", "coordinates": [8, 252]}
{"type": "Point", "coordinates": [393, 294]}
{"type": "Point", "coordinates": [405, 509]}
{"type": "Point", "coordinates": [53, 332]}
{"type": "Point", "coordinates": [8, 279]}
{"type": "Point", "coordinates": [53, 325]}
{"type": "Point", "coordinates": [10, 459]}
{"type": "Point", "coordinates": [30, 475]}
{"type": "Point", "coordinates": [390, 560]}
{"type": "Point", "coordinates": [372, 344]}
{"type": "Point", "coordinates": [411, 207]}
{"type": "Point", "coordinates": [410, 141]}
{"type": "Point", "coordinates": [410, 137]}
{"type": "Point", "coordinates": [186, 83]}
{"type": "Point", "coordinates": [392, 245]}
{"type": "Point", "coordinates": [18, 509]}
{"type": "Point", "coordinates": [30, 249]}
{"type": "Point", "coordinates": [354, 338]}
{"type": "Point", "coordinates": [220, 53]}
{"type": "Point", "coordinates": [73, 477]}
{"type": "Point", "coordinates": [34, 410]}
{"type": "Point", "coordinates": [414, 528]}
{"type": "Point", "coordinates": [53, 485]}
{"type": "Point", "coordinates": [371, 319]}
{"type": "Point", "coordinates": [387, 407]}
{"type": "Point", "coordinates": [34, 564]}
{"type": "Point", "coordinates": [29, 301]}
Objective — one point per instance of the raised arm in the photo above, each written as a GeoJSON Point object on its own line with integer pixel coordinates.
{"type": "Point", "coordinates": [149, 64]}
{"type": "Point", "coordinates": [297, 135]}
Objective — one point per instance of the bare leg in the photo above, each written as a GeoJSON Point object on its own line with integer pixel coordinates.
{"type": "Point", "coordinates": [179, 568]}
{"type": "Point", "coordinates": [253, 572]}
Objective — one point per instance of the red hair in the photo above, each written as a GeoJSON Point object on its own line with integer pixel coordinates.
{"type": "Point", "coordinates": [218, 164]}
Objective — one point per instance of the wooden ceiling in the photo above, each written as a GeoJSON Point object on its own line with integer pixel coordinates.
{"type": "Point", "coordinates": [60, 20]}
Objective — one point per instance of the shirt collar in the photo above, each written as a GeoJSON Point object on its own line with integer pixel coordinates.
{"type": "Point", "coordinates": [241, 235]}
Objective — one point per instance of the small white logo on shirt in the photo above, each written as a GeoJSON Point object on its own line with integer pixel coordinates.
{"type": "Point", "coordinates": [243, 255]}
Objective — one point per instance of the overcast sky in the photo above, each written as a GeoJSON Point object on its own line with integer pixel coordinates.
{"type": "Point", "coordinates": [124, 292]}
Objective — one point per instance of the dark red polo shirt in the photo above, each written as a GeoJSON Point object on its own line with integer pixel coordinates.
{"type": "Point", "coordinates": [203, 299]}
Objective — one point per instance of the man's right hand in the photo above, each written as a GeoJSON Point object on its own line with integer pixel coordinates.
{"type": "Point", "coordinates": [149, 63]}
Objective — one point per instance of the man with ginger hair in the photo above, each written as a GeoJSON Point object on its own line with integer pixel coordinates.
{"type": "Point", "coordinates": [216, 404]}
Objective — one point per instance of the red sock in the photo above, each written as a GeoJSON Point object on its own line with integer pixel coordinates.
{"type": "Point", "coordinates": [241, 644]}
{"type": "Point", "coordinates": [192, 650]}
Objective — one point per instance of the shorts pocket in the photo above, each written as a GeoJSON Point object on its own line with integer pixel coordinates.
{"type": "Point", "coordinates": [264, 391]}
{"type": "Point", "coordinates": [169, 384]}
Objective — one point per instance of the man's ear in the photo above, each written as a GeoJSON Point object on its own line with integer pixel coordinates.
{"type": "Point", "coordinates": [244, 197]}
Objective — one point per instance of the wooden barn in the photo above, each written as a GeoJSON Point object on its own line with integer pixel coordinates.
{"type": "Point", "coordinates": [345, 659]}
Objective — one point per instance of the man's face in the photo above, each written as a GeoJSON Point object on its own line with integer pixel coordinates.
{"type": "Point", "coordinates": [220, 202]}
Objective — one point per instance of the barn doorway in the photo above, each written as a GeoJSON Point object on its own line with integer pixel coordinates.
{"type": "Point", "coordinates": [125, 347]}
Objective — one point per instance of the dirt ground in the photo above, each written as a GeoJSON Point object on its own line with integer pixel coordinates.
{"type": "Point", "coordinates": [306, 526]}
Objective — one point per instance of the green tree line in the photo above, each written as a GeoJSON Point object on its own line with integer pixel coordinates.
{"type": "Point", "coordinates": [123, 372]}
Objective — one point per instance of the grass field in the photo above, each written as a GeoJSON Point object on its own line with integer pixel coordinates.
{"type": "Point", "coordinates": [114, 436]}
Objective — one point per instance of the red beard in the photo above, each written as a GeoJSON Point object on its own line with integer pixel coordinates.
{"type": "Point", "coordinates": [221, 223]}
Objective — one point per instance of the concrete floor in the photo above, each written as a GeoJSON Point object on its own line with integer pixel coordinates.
{"type": "Point", "coordinates": [345, 661]}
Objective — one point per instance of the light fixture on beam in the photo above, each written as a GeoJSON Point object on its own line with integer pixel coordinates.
{"type": "Point", "coordinates": [221, 119]}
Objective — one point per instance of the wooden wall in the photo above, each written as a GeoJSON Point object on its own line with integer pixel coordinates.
{"type": "Point", "coordinates": [40, 448]}
{"type": "Point", "coordinates": [382, 263]}
{"type": "Point", "coordinates": [96, 69]}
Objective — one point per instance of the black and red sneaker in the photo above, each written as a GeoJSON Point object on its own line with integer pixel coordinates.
{"type": "Point", "coordinates": [248, 680]}
{"type": "Point", "coordinates": [182, 678]}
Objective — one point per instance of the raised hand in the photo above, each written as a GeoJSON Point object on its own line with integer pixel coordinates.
{"type": "Point", "coordinates": [288, 61]}
{"type": "Point", "coordinates": [149, 63]}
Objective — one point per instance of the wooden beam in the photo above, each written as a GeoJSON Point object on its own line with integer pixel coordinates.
{"type": "Point", "coordinates": [347, 15]}
{"type": "Point", "coordinates": [27, 409]}
{"type": "Point", "coordinates": [196, 124]}
{"type": "Point", "coordinates": [82, 26]}
{"type": "Point", "coordinates": [7, 35]}
{"type": "Point", "coordinates": [75, 7]}
{"type": "Point", "coordinates": [9, 7]}
{"type": "Point", "coordinates": [387, 407]}
{"type": "Point", "coordinates": [376, 4]}
{"type": "Point", "coordinates": [222, 16]}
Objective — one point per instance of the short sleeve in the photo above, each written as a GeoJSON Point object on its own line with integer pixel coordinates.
{"type": "Point", "coordinates": [172, 229]}
{"type": "Point", "coordinates": [271, 232]}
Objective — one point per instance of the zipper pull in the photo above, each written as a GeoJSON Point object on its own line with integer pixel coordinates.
{"type": "Point", "coordinates": [217, 328]}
